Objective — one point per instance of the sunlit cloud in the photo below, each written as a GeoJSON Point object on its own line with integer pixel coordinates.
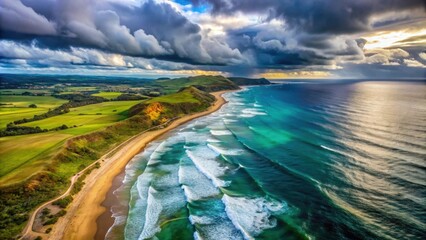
{"type": "Point", "coordinates": [401, 38]}
{"type": "Point", "coordinates": [194, 72]}
{"type": "Point", "coordinates": [295, 74]}
{"type": "Point", "coordinates": [413, 63]}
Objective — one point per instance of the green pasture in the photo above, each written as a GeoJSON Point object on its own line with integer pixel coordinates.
{"type": "Point", "coordinates": [20, 91]}
{"type": "Point", "coordinates": [21, 156]}
{"type": "Point", "coordinates": [107, 95]}
{"type": "Point", "coordinates": [80, 89]}
{"type": "Point", "coordinates": [87, 118]}
{"type": "Point", "coordinates": [174, 85]}
{"type": "Point", "coordinates": [179, 97]}
{"type": "Point", "coordinates": [16, 107]}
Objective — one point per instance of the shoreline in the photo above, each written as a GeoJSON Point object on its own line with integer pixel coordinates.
{"type": "Point", "coordinates": [81, 220]}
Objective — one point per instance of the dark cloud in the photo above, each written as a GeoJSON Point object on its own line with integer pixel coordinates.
{"type": "Point", "coordinates": [154, 34]}
{"type": "Point", "coordinates": [313, 16]}
{"type": "Point", "coordinates": [380, 71]}
{"type": "Point", "coordinates": [15, 15]}
{"type": "Point", "coordinates": [275, 47]}
{"type": "Point", "coordinates": [150, 30]}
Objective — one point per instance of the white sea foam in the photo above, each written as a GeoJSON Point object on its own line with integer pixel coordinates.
{"type": "Point", "coordinates": [215, 228]}
{"type": "Point", "coordinates": [204, 160]}
{"type": "Point", "coordinates": [252, 215]}
{"type": "Point", "coordinates": [201, 219]}
{"type": "Point", "coordinates": [235, 103]}
{"type": "Point", "coordinates": [220, 132]}
{"type": "Point", "coordinates": [152, 215]}
{"type": "Point", "coordinates": [223, 151]}
{"type": "Point", "coordinates": [334, 150]}
{"type": "Point", "coordinates": [246, 115]}
{"type": "Point", "coordinates": [139, 195]}
{"type": "Point", "coordinates": [195, 185]}
{"type": "Point", "coordinates": [165, 202]}
{"type": "Point", "coordinates": [253, 111]}
{"type": "Point", "coordinates": [227, 120]}
{"type": "Point", "coordinates": [149, 204]}
{"type": "Point", "coordinates": [213, 140]}
{"type": "Point", "coordinates": [197, 236]}
{"type": "Point", "coordinates": [158, 152]}
{"type": "Point", "coordinates": [136, 218]}
{"type": "Point", "coordinates": [167, 180]}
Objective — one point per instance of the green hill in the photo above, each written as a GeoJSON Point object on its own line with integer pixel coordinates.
{"type": "Point", "coordinates": [204, 83]}
{"type": "Point", "coordinates": [240, 81]}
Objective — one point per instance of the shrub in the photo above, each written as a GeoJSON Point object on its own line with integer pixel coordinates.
{"type": "Point", "coordinates": [45, 211]}
{"type": "Point", "coordinates": [63, 202]}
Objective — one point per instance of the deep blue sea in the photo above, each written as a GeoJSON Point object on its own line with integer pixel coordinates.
{"type": "Point", "coordinates": [306, 160]}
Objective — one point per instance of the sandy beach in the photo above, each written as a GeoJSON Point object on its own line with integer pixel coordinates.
{"type": "Point", "coordinates": [80, 221]}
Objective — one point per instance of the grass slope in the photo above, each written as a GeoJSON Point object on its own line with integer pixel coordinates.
{"type": "Point", "coordinates": [21, 156]}
{"type": "Point", "coordinates": [107, 95]}
{"type": "Point", "coordinates": [87, 118]}
{"type": "Point", "coordinates": [20, 91]}
{"type": "Point", "coordinates": [17, 107]}
{"type": "Point", "coordinates": [184, 96]}
{"type": "Point", "coordinates": [207, 83]}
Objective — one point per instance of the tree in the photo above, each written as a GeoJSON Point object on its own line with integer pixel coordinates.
{"type": "Point", "coordinates": [32, 106]}
{"type": "Point", "coordinates": [45, 211]}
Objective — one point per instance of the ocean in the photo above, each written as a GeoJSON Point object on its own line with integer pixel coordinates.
{"type": "Point", "coordinates": [298, 160]}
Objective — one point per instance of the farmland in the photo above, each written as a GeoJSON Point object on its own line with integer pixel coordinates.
{"type": "Point", "coordinates": [107, 95]}
{"type": "Point", "coordinates": [32, 152]}
{"type": "Point", "coordinates": [87, 118]}
{"type": "Point", "coordinates": [175, 98]}
{"type": "Point", "coordinates": [23, 156]}
{"type": "Point", "coordinates": [208, 83]}
{"type": "Point", "coordinates": [21, 91]}
{"type": "Point", "coordinates": [17, 107]}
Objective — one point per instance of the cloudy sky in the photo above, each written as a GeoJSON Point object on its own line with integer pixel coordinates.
{"type": "Point", "coordinates": [256, 38]}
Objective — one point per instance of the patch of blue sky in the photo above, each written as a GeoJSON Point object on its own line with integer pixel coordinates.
{"type": "Point", "coordinates": [194, 8]}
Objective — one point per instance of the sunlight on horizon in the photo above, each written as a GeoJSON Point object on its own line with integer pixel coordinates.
{"type": "Point", "coordinates": [394, 39]}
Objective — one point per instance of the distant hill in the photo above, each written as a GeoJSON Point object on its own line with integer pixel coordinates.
{"type": "Point", "coordinates": [240, 81]}
{"type": "Point", "coordinates": [204, 83]}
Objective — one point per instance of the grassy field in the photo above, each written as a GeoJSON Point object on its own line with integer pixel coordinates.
{"type": "Point", "coordinates": [21, 156]}
{"type": "Point", "coordinates": [20, 91]}
{"type": "Point", "coordinates": [17, 107]}
{"type": "Point", "coordinates": [81, 89]}
{"type": "Point", "coordinates": [174, 85]}
{"type": "Point", "coordinates": [175, 98]}
{"type": "Point", "coordinates": [87, 118]}
{"type": "Point", "coordinates": [107, 95]}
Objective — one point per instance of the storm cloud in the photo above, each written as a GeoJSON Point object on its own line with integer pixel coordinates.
{"type": "Point", "coordinates": [232, 36]}
{"type": "Point", "coordinates": [153, 29]}
{"type": "Point", "coordinates": [313, 16]}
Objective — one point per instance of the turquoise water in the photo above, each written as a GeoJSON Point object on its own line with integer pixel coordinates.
{"type": "Point", "coordinates": [331, 160]}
